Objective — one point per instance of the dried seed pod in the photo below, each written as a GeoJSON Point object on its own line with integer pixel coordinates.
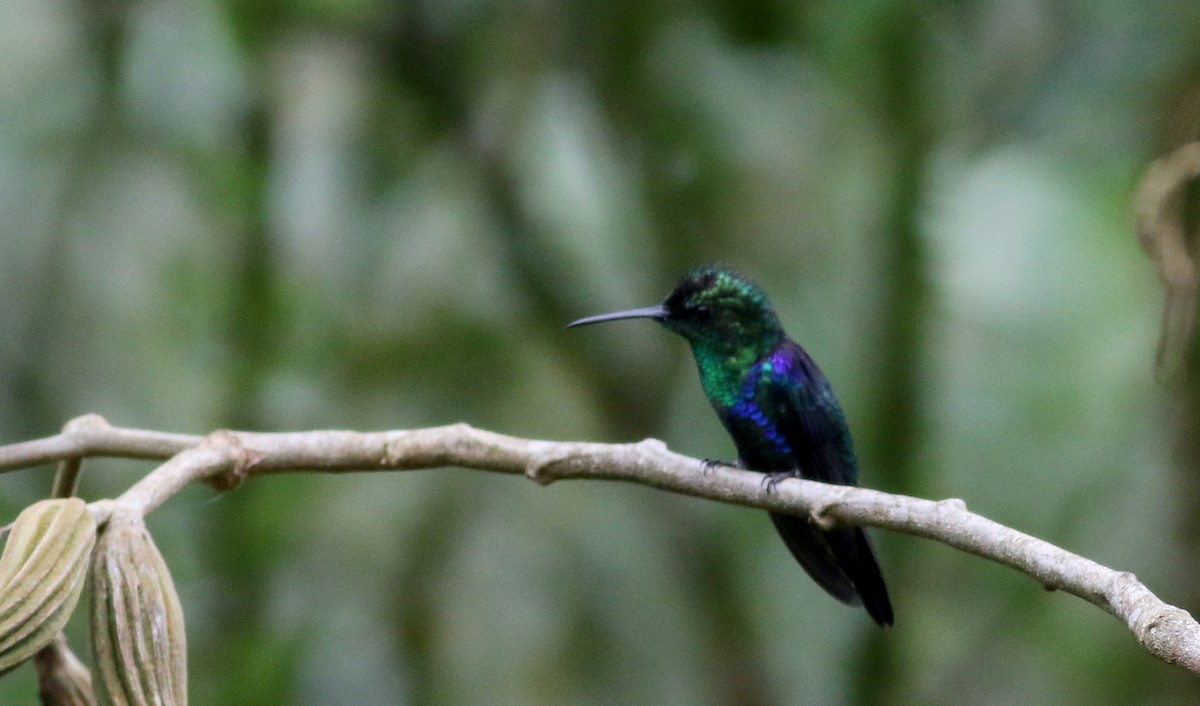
{"type": "Point", "coordinates": [42, 571]}
{"type": "Point", "coordinates": [140, 652]}
{"type": "Point", "coordinates": [62, 678]}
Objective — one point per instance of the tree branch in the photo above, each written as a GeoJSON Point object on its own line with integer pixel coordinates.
{"type": "Point", "coordinates": [226, 458]}
{"type": "Point", "coordinates": [1162, 227]}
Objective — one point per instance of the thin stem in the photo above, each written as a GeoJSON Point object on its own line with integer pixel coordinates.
{"type": "Point", "coordinates": [66, 478]}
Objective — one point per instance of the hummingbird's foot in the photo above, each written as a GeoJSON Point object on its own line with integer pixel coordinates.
{"type": "Point", "coordinates": [773, 479]}
{"type": "Point", "coordinates": [708, 464]}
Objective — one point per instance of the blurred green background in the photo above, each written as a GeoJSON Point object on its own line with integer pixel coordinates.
{"type": "Point", "coordinates": [370, 215]}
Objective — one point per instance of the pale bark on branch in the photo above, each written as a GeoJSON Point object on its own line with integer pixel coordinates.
{"type": "Point", "coordinates": [226, 458]}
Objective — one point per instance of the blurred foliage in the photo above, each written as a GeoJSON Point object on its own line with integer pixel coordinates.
{"type": "Point", "coordinates": [363, 214]}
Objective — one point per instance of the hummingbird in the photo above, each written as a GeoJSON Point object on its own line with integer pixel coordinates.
{"type": "Point", "coordinates": [781, 412]}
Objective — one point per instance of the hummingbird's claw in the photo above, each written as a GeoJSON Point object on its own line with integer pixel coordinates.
{"type": "Point", "coordinates": [708, 464]}
{"type": "Point", "coordinates": [773, 479]}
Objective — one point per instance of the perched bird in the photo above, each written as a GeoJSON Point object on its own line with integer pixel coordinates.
{"type": "Point", "coordinates": [782, 414]}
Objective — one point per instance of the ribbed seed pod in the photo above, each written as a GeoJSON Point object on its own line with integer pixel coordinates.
{"type": "Point", "coordinates": [42, 571]}
{"type": "Point", "coordinates": [140, 653]}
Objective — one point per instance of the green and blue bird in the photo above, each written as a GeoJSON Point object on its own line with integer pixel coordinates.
{"type": "Point", "coordinates": [782, 414]}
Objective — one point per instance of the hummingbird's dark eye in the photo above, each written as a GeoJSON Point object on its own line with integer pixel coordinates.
{"type": "Point", "coordinates": [701, 313]}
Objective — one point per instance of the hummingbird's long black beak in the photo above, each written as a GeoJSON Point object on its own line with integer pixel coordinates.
{"type": "Point", "coordinates": [650, 312]}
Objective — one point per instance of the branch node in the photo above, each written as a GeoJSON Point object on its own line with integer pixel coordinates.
{"type": "Point", "coordinates": [537, 473]}
{"type": "Point", "coordinates": [952, 504]}
{"type": "Point", "coordinates": [652, 446]}
{"type": "Point", "coordinates": [101, 510]}
{"type": "Point", "coordinates": [243, 459]}
{"type": "Point", "coordinates": [541, 470]}
{"type": "Point", "coordinates": [823, 516]}
{"type": "Point", "coordinates": [86, 423]}
{"type": "Point", "coordinates": [822, 519]}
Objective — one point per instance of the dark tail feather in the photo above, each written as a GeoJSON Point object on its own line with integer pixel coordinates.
{"type": "Point", "coordinates": [812, 551]}
{"type": "Point", "coordinates": [840, 561]}
{"type": "Point", "coordinates": [864, 570]}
